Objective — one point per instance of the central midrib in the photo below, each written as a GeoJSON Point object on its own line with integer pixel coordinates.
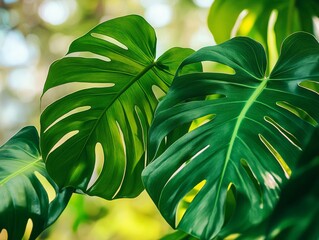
{"type": "Point", "coordinates": [240, 118]}
{"type": "Point", "coordinates": [25, 168]}
{"type": "Point", "coordinates": [144, 71]}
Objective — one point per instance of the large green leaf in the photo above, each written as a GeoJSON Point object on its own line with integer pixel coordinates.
{"type": "Point", "coordinates": [252, 18]}
{"type": "Point", "coordinates": [253, 128]}
{"type": "Point", "coordinates": [94, 139]}
{"type": "Point", "coordinates": [296, 215]}
{"type": "Point", "coordinates": [25, 186]}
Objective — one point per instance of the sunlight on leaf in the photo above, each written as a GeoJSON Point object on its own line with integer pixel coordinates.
{"type": "Point", "coordinates": [257, 127]}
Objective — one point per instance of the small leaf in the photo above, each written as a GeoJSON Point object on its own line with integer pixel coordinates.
{"type": "Point", "coordinates": [94, 138]}
{"type": "Point", "coordinates": [248, 141]}
{"type": "Point", "coordinates": [24, 184]}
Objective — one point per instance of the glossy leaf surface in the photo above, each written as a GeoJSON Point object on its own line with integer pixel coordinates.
{"type": "Point", "coordinates": [247, 131]}
{"type": "Point", "coordinates": [253, 18]}
{"type": "Point", "coordinates": [94, 138]}
{"type": "Point", "coordinates": [24, 187]}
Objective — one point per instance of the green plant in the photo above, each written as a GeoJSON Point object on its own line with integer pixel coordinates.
{"type": "Point", "coordinates": [214, 154]}
{"type": "Point", "coordinates": [248, 143]}
{"type": "Point", "coordinates": [22, 187]}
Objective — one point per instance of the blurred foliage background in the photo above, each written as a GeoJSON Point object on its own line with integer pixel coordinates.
{"type": "Point", "coordinates": [34, 33]}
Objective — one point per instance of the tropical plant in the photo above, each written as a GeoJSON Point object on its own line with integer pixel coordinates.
{"type": "Point", "coordinates": [252, 130]}
{"type": "Point", "coordinates": [23, 187]}
{"type": "Point", "coordinates": [212, 148]}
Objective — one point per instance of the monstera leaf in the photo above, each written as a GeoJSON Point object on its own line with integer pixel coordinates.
{"type": "Point", "coordinates": [247, 131]}
{"type": "Point", "coordinates": [253, 18]}
{"type": "Point", "coordinates": [23, 184]}
{"type": "Point", "coordinates": [94, 139]}
{"type": "Point", "coordinates": [296, 215]}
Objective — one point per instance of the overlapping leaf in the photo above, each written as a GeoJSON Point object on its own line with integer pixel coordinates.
{"type": "Point", "coordinates": [94, 139]}
{"type": "Point", "coordinates": [22, 193]}
{"type": "Point", "coordinates": [296, 215]}
{"type": "Point", "coordinates": [253, 18]}
{"type": "Point", "coordinates": [253, 130]}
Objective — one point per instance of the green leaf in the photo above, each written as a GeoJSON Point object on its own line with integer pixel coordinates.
{"type": "Point", "coordinates": [253, 18]}
{"type": "Point", "coordinates": [178, 235]}
{"type": "Point", "coordinates": [296, 214]}
{"type": "Point", "coordinates": [94, 139]}
{"type": "Point", "coordinates": [25, 187]}
{"type": "Point", "coordinates": [248, 129]}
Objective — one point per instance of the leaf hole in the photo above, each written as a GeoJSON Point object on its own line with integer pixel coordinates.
{"type": "Point", "coordinates": [58, 92]}
{"type": "Point", "coordinates": [277, 156]}
{"type": "Point", "coordinates": [72, 112]}
{"type": "Point", "coordinates": [109, 39]}
{"type": "Point", "coordinates": [232, 236]}
{"type": "Point", "coordinates": [201, 121]}
{"type": "Point", "coordinates": [158, 92]}
{"type": "Point", "coordinates": [4, 234]}
{"type": "Point", "coordinates": [125, 156]}
{"type": "Point", "coordinates": [290, 137]}
{"type": "Point", "coordinates": [122, 138]}
{"type": "Point", "coordinates": [310, 85]}
{"type": "Point", "coordinates": [217, 67]}
{"type": "Point", "coordinates": [98, 165]}
{"type": "Point", "coordinates": [215, 96]}
{"type": "Point", "coordinates": [144, 131]}
{"type": "Point", "coordinates": [186, 162]}
{"type": "Point", "coordinates": [28, 229]}
{"type": "Point", "coordinates": [89, 55]}
{"type": "Point", "coordinates": [253, 178]}
{"type": "Point", "coordinates": [51, 193]}
{"type": "Point", "coordinates": [65, 138]}
{"type": "Point", "coordinates": [199, 152]}
{"type": "Point", "coordinates": [300, 113]}
{"type": "Point", "coordinates": [187, 200]}
{"type": "Point", "coordinates": [230, 202]}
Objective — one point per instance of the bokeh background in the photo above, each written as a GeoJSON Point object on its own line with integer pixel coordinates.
{"type": "Point", "coordinates": [33, 34]}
